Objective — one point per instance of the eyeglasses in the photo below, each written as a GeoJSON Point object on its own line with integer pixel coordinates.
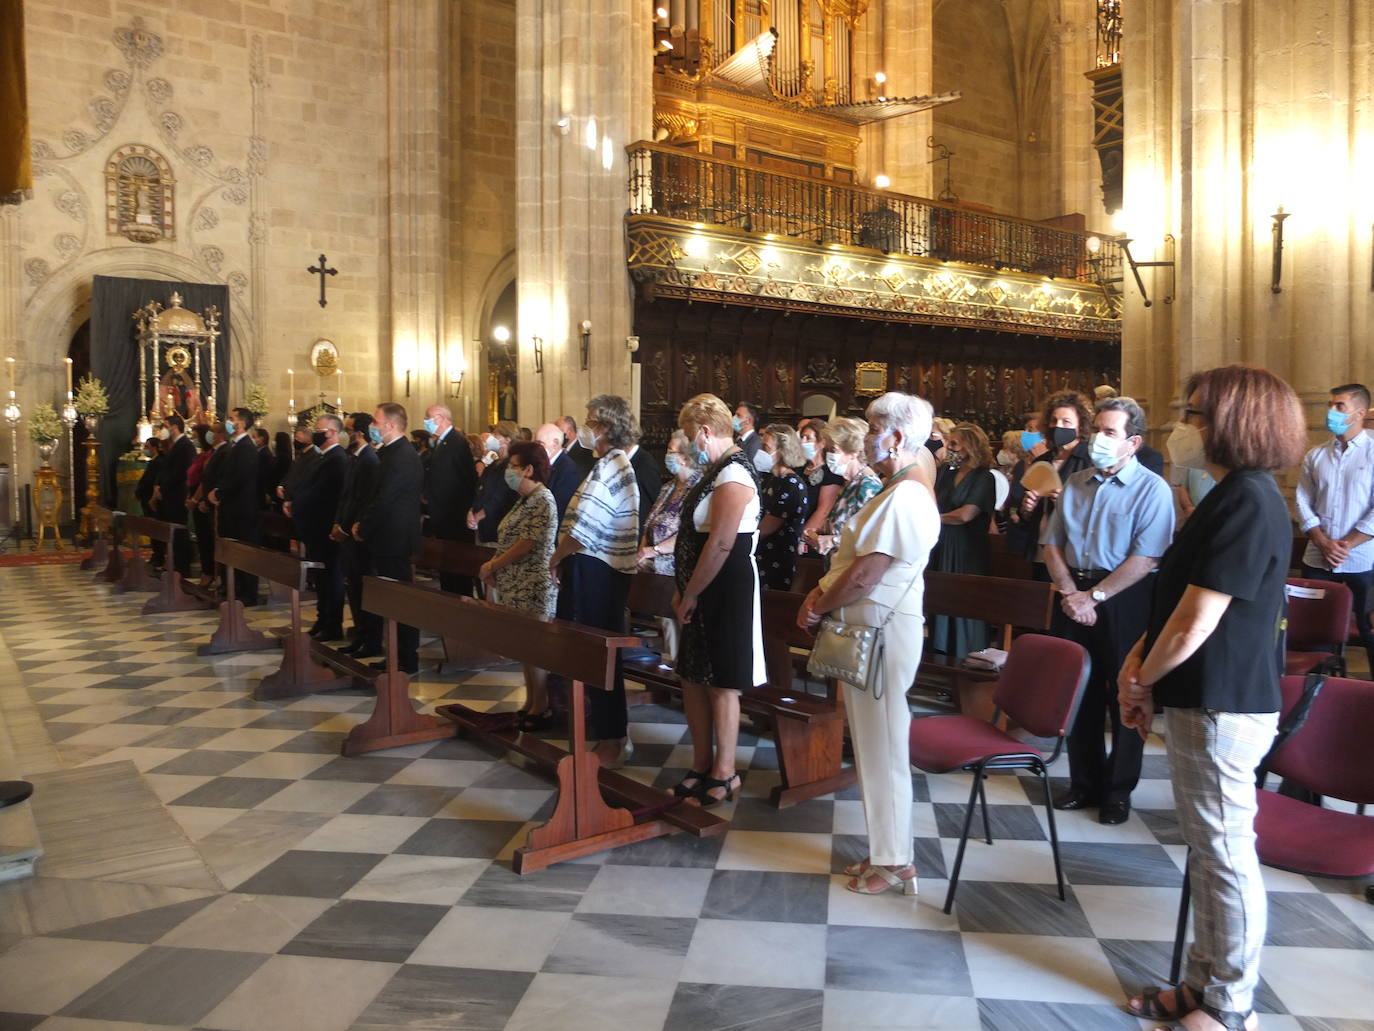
{"type": "Point", "coordinates": [1193, 411]}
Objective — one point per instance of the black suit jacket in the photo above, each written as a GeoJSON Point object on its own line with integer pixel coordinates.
{"type": "Point", "coordinates": [564, 479]}
{"type": "Point", "coordinates": [239, 508]}
{"type": "Point", "coordinates": [298, 472]}
{"type": "Point", "coordinates": [267, 477]}
{"type": "Point", "coordinates": [750, 445]}
{"type": "Point", "coordinates": [1150, 459]}
{"type": "Point", "coordinates": [151, 473]}
{"type": "Point", "coordinates": [390, 517]}
{"type": "Point", "coordinates": [363, 468]}
{"type": "Point", "coordinates": [581, 457]}
{"type": "Point", "coordinates": [649, 476]}
{"type": "Point", "coordinates": [316, 497]}
{"type": "Point", "coordinates": [213, 468]}
{"type": "Point", "coordinates": [172, 479]}
{"type": "Point", "coordinates": [450, 486]}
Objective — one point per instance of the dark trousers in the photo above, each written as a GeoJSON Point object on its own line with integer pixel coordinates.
{"type": "Point", "coordinates": [407, 637]}
{"type": "Point", "coordinates": [159, 548]}
{"type": "Point", "coordinates": [353, 560]}
{"type": "Point", "coordinates": [1362, 588]}
{"type": "Point", "coordinates": [204, 523]}
{"type": "Point", "coordinates": [181, 543]}
{"type": "Point", "coordinates": [246, 531]}
{"type": "Point", "coordinates": [1106, 776]}
{"type": "Point", "coordinates": [594, 594]}
{"type": "Point", "coordinates": [456, 583]}
{"type": "Point", "coordinates": [329, 583]}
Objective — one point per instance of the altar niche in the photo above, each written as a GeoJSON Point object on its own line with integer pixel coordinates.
{"type": "Point", "coordinates": [176, 348]}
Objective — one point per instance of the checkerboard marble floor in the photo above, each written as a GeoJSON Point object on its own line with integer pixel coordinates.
{"type": "Point", "coordinates": [214, 863]}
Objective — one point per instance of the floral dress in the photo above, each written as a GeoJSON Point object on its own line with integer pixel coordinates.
{"type": "Point", "coordinates": [665, 517]}
{"type": "Point", "coordinates": [526, 585]}
{"type": "Point", "coordinates": [785, 497]}
{"type": "Point", "coordinates": [855, 495]}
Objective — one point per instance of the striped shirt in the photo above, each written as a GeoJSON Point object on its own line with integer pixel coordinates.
{"type": "Point", "coordinates": [1336, 492]}
{"type": "Point", "coordinates": [603, 516]}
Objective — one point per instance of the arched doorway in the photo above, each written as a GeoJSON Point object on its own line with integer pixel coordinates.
{"type": "Point", "coordinates": [500, 335]}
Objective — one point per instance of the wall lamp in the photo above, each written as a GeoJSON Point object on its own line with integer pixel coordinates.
{"type": "Point", "coordinates": [538, 353]}
{"type": "Point", "coordinates": [586, 344]}
{"type": "Point", "coordinates": [1277, 231]}
{"type": "Point", "coordinates": [455, 383]}
{"type": "Point", "coordinates": [1094, 247]}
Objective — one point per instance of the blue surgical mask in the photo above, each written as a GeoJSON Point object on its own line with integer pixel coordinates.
{"type": "Point", "coordinates": [1104, 451]}
{"type": "Point", "coordinates": [809, 449]}
{"type": "Point", "coordinates": [672, 463]}
{"type": "Point", "coordinates": [1337, 422]}
{"type": "Point", "coordinates": [374, 434]}
{"type": "Point", "coordinates": [229, 426]}
{"type": "Point", "coordinates": [735, 424]}
{"type": "Point", "coordinates": [702, 456]}
{"type": "Point", "coordinates": [513, 478]}
{"type": "Point", "coordinates": [1029, 438]}
{"type": "Point", "coordinates": [431, 427]}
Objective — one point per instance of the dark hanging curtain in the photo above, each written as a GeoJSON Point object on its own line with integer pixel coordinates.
{"type": "Point", "coordinates": [114, 354]}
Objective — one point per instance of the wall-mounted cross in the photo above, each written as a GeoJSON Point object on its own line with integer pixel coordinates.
{"type": "Point", "coordinates": [322, 270]}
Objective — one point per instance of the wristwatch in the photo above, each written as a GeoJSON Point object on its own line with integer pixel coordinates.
{"type": "Point", "coordinates": [1099, 596]}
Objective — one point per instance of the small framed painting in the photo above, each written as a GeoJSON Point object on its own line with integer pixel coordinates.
{"type": "Point", "coordinates": [870, 379]}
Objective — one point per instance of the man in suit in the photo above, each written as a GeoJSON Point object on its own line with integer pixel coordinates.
{"type": "Point", "coordinates": [204, 512]}
{"type": "Point", "coordinates": [583, 457]}
{"type": "Point", "coordinates": [358, 484]}
{"type": "Point", "coordinates": [267, 467]}
{"type": "Point", "coordinates": [236, 494]}
{"type": "Point", "coordinates": [312, 509]}
{"type": "Point", "coordinates": [746, 422]}
{"type": "Point", "coordinates": [648, 476]}
{"type": "Point", "coordinates": [564, 476]}
{"type": "Point", "coordinates": [170, 492]}
{"type": "Point", "coordinates": [450, 487]}
{"type": "Point", "coordinates": [388, 521]}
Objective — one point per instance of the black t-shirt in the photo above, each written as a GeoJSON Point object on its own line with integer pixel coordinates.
{"type": "Point", "coordinates": [1237, 542]}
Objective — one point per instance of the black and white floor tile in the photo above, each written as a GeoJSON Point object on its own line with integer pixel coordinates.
{"type": "Point", "coordinates": [321, 893]}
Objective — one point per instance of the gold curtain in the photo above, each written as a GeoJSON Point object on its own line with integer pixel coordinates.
{"type": "Point", "coordinates": [16, 175]}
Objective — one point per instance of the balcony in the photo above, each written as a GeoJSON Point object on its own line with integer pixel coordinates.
{"type": "Point", "coordinates": [706, 227]}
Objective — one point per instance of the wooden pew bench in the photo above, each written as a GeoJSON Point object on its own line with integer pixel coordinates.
{"type": "Point", "coordinates": [171, 597]}
{"type": "Point", "coordinates": [134, 576]}
{"type": "Point", "coordinates": [461, 558]}
{"type": "Point", "coordinates": [582, 823]}
{"type": "Point", "coordinates": [808, 728]}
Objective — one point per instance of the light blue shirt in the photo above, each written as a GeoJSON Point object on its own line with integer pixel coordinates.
{"type": "Point", "coordinates": [1101, 521]}
{"type": "Point", "coordinates": [1336, 492]}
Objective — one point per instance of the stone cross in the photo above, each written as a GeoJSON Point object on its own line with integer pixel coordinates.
{"type": "Point", "coordinates": [322, 270]}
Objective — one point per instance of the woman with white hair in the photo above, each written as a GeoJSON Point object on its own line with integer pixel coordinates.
{"type": "Point", "coordinates": [876, 578]}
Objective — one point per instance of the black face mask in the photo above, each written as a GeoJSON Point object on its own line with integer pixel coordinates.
{"type": "Point", "coordinates": [1061, 436]}
{"type": "Point", "coordinates": [317, 438]}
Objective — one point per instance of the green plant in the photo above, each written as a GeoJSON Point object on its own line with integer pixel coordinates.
{"type": "Point", "coordinates": [44, 425]}
{"type": "Point", "coordinates": [91, 398]}
{"type": "Point", "coordinates": [255, 400]}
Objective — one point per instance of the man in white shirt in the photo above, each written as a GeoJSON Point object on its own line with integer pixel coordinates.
{"type": "Point", "coordinates": [1335, 499]}
{"type": "Point", "coordinates": [745, 423]}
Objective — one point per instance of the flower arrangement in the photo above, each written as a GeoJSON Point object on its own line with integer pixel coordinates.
{"type": "Point", "coordinates": [255, 400]}
{"type": "Point", "coordinates": [91, 398]}
{"type": "Point", "coordinates": [44, 425]}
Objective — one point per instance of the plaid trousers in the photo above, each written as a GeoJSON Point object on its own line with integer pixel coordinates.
{"type": "Point", "coordinates": [1213, 756]}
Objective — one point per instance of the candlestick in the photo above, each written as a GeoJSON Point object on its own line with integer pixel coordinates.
{"type": "Point", "coordinates": [69, 377]}
{"type": "Point", "coordinates": [10, 362]}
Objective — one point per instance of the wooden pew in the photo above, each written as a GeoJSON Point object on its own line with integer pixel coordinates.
{"type": "Point", "coordinates": [582, 823]}
{"type": "Point", "coordinates": [299, 673]}
{"type": "Point", "coordinates": [100, 540]}
{"type": "Point", "coordinates": [808, 729]}
{"type": "Point", "coordinates": [171, 598]}
{"type": "Point", "coordinates": [234, 633]}
{"type": "Point", "coordinates": [136, 576]}
{"type": "Point", "coordinates": [279, 526]}
{"type": "Point", "coordinates": [464, 559]}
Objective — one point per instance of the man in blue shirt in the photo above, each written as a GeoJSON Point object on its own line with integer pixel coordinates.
{"type": "Point", "coordinates": [1105, 537]}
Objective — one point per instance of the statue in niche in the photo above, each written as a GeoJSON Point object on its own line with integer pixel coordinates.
{"type": "Point", "coordinates": [139, 195]}
{"type": "Point", "coordinates": [821, 370]}
{"type": "Point", "coordinates": [177, 392]}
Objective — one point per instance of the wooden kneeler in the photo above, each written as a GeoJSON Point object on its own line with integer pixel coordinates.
{"type": "Point", "coordinates": [113, 572]}
{"type": "Point", "coordinates": [582, 823]}
{"type": "Point", "coordinates": [135, 576]}
{"type": "Point", "coordinates": [234, 634]}
{"type": "Point", "coordinates": [171, 597]}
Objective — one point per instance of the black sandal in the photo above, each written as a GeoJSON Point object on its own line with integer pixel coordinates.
{"type": "Point", "coordinates": [702, 793]}
{"type": "Point", "coordinates": [681, 790]}
{"type": "Point", "coordinates": [1232, 1020]}
{"type": "Point", "coordinates": [1152, 1009]}
{"type": "Point", "coordinates": [532, 722]}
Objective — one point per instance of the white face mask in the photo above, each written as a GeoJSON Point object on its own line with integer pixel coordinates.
{"type": "Point", "coordinates": [877, 451]}
{"type": "Point", "coordinates": [491, 443]}
{"type": "Point", "coordinates": [763, 461]}
{"type": "Point", "coordinates": [1186, 448]}
{"type": "Point", "coordinates": [164, 434]}
{"type": "Point", "coordinates": [587, 438]}
{"type": "Point", "coordinates": [836, 462]}
{"type": "Point", "coordinates": [1006, 459]}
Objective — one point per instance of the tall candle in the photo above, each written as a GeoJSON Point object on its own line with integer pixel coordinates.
{"type": "Point", "coordinates": [69, 378]}
{"type": "Point", "coordinates": [291, 375]}
{"type": "Point", "coordinates": [10, 363]}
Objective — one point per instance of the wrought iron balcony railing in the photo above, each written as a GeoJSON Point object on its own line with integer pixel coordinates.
{"type": "Point", "coordinates": [695, 188]}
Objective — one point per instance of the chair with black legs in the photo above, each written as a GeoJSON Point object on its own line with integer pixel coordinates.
{"type": "Point", "coordinates": [1319, 613]}
{"type": "Point", "coordinates": [1039, 691]}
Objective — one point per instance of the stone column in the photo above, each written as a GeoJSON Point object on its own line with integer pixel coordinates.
{"type": "Point", "coordinates": [584, 91]}
{"type": "Point", "coordinates": [896, 39]}
{"type": "Point", "coordinates": [417, 226]}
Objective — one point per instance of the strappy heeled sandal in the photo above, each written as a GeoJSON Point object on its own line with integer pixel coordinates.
{"type": "Point", "coordinates": [681, 788]}
{"type": "Point", "coordinates": [891, 881]}
{"type": "Point", "coordinates": [1232, 1020]}
{"type": "Point", "coordinates": [860, 868]}
{"type": "Point", "coordinates": [703, 795]}
{"type": "Point", "coordinates": [1151, 1008]}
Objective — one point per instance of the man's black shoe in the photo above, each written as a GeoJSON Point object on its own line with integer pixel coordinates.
{"type": "Point", "coordinates": [1114, 812]}
{"type": "Point", "coordinates": [409, 671]}
{"type": "Point", "coordinates": [1074, 800]}
{"type": "Point", "coordinates": [328, 633]}
{"type": "Point", "coordinates": [366, 653]}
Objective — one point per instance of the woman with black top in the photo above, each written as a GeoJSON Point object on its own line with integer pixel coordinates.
{"type": "Point", "coordinates": [783, 496]}
{"type": "Point", "coordinates": [1069, 422]}
{"type": "Point", "coordinates": [965, 495]}
{"type": "Point", "coordinates": [823, 486]}
{"type": "Point", "coordinates": [1211, 657]}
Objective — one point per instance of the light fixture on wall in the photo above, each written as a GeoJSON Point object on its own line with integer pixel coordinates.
{"type": "Point", "coordinates": [586, 344]}
{"type": "Point", "coordinates": [881, 181]}
{"type": "Point", "coordinates": [538, 353]}
{"type": "Point", "coordinates": [1093, 245]}
{"type": "Point", "coordinates": [1277, 233]}
{"type": "Point", "coordinates": [879, 87]}
{"type": "Point", "coordinates": [455, 380]}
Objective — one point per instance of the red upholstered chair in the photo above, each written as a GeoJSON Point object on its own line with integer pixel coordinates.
{"type": "Point", "coordinates": [1318, 627]}
{"type": "Point", "coordinates": [1329, 754]}
{"type": "Point", "coordinates": [1039, 691]}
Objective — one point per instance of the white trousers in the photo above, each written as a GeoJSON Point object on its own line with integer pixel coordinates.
{"type": "Point", "coordinates": [879, 729]}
